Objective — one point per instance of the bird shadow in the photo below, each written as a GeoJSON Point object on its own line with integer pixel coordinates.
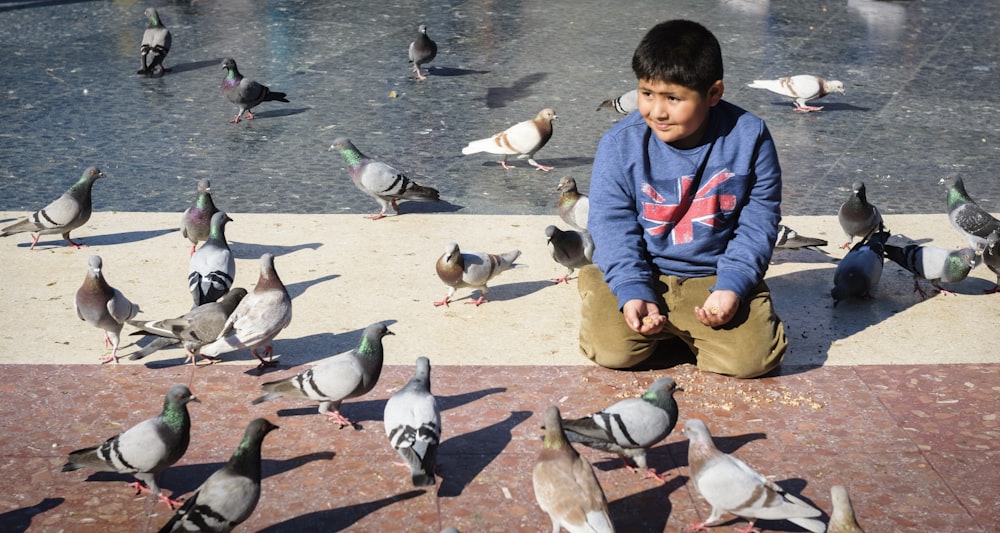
{"type": "Point", "coordinates": [440, 206]}
{"type": "Point", "coordinates": [185, 479]}
{"type": "Point", "coordinates": [338, 519]}
{"type": "Point", "coordinates": [564, 162]}
{"type": "Point", "coordinates": [451, 71]}
{"type": "Point", "coordinates": [794, 487]}
{"type": "Point", "coordinates": [511, 291]}
{"type": "Point", "coordinates": [521, 88]}
{"type": "Point", "coordinates": [283, 112]}
{"type": "Point", "coordinates": [457, 400]}
{"type": "Point", "coordinates": [245, 250]}
{"type": "Point", "coordinates": [195, 65]}
{"type": "Point", "coordinates": [105, 240]}
{"type": "Point", "coordinates": [647, 510]}
{"type": "Point", "coordinates": [299, 287]}
{"type": "Point", "coordinates": [800, 255]}
{"type": "Point", "coordinates": [19, 520]}
{"type": "Point", "coordinates": [463, 457]}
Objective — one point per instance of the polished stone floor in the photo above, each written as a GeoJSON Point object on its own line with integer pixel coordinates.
{"type": "Point", "coordinates": [920, 102]}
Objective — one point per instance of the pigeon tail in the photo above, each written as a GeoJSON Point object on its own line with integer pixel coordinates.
{"type": "Point", "coordinates": [274, 96]}
{"type": "Point", "coordinates": [807, 523]}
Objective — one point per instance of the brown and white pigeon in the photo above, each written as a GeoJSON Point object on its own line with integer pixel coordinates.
{"type": "Point", "coordinates": [155, 45]}
{"type": "Point", "coordinates": [522, 139]}
{"type": "Point", "coordinates": [145, 449]}
{"type": "Point", "coordinates": [573, 206]}
{"type": "Point", "coordinates": [103, 306]}
{"type": "Point", "coordinates": [858, 217]}
{"type": "Point", "coordinates": [801, 89]}
{"type": "Point", "coordinates": [380, 181]}
{"type": "Point", "coordinates": [730, 486]}
{"type": "Point", "coordinates": [346, 375]}
{"type": "Point", "coordinates": [196, 223]}
{"type": "Point", "coordinates": [63, 215]}
{"type": "Point", "coordinates": [246, 94]}
{"type": "Point", "coordinates": [842, 519]}
{"type": "Point", "coordinates": [258, 318]}
{"type": "Point", "coordinates": [565, 485]}
{"type": "Point", "coordinates": [471, 269]}
{"type": "Point", "coordinates": [571, 249]}
{"type": "Point", "coordinates": [422, 50]}
{"type": "Point", "coordinates": [413, 424]}
{"type": "Point", "coordinates": [966, 216]}
{"type": "Point", "coordinates": [939, 265]}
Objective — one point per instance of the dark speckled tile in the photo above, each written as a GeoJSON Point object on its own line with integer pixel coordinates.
{"type": "Point", "coordinates": [912, 443]}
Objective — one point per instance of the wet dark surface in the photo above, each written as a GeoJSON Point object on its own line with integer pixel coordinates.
{"type": "Point", "coordinates": [920, 77]}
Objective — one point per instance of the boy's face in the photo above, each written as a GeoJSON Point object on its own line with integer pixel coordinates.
{"type": "Point", "coordinates": [677, 115]}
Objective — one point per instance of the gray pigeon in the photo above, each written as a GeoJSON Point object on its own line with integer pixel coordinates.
{"type": "Point", "coordinates": [229, 496]}
{"type": "Point", "coordinates": [730, 486]}
{"type": "Point", "coordinates": [155, 45]}
{"type": "Point", "coordinates": [63, 215]}
{"type": "Point", "coordinates": [966, 216]}
{"type": "Point", "coordinates": [632, 426]}
{"type": "Point", "coordinates": [842, 518]}
{"type": "Point", "coordinates": [196, 223]}
{"type": "Point", "coordinates": [857, 217]}
{"type": "Point", "coordinates": [789, 239]}
{"type": "Point", "coordinates": [801, 89]}
{"type": "Point", "coordinates": [381, 181]}
{"type": "Point", "coordinates": [258, 318]}
{"type": "Point", "coordinates": [413, 425]}
{"type": "Point", "coordinates": [624, 104]}
{"type": "Point", "coordinates": [938, 265]}
{"type": "Point", "coordinates": [145, 449]}
{"type": "Point", "coordinates": [347, 375]}
{"type": "Point", "coordinates": [858, 273]}
{"type": "Point", "coordinates": [103, 306]}
{"type": "Point", "coordinates": [194, 329]}
{"type": "Point", "coordinates": [565, 485]}
{"type": "Point", "coordinates": [471, 269]}
{"type": "Point", "coordinates": [422, 51]}
{"type": "Point", "coordinates": [573, 207]}
{"type": "Point", "coordinates": [522, 139]}
{"type": "Point", "coordinates": [246, 94]}
{"type": "Point", "coordinates": [212, 267]}
{"type": "Point", "coordinates": [571, 249]}
{"type": "Point", "coordinates": [991, 258]}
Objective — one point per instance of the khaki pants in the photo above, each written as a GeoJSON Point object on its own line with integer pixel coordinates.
{"type": "Point", "coordinates": [750, 345]}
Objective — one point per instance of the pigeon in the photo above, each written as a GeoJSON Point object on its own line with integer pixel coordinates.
{"type": "Point", "coordinates": [196, 223]}
{"type": "Point", "coordinates": [522, 139]}
{"type": "Point", "coordinates": [573, 207]}
{"type": "Point", "coordinates": [858, 273]}
{"type": "Point", "coordinates": [966, 216]}
{"type": "Point", "coordinates": [472, 269]}
{"type": "Point", "coordinates": [801, 89]}
{"type": "Point", "coordinates": [624, 104]}
{"type": "Point", "coordinates": [379, 180]}
{"type": "Point", "coordinates": [422, 51]}
{"type": "Point", "coordinates": [194, 329]}
{"type": "Point", "coordinates": [212, 267]}
{"type": "Point", "coordinates": [571, 249]}
{"type": "Point", "coordinates": [145, 449]}
{"type": "Point", "coordinates": [65, 214]}
{"type": "Point", "coordinates": [632, 426]}
{"type": "Point", "coordinates": [246, 94]}
{"type": "Point", "coordinates": [229, 496]}
{"type": "Point", "coordinates": [103, 306]}
{"type": "Point", "coordinates": [857, 217]}
{"type": "Point", "coordinates": [155, 45]}
{"type": "Point", "coordinates": [565, 485]}
{"type": "Point", "coordinates": [413, 424]}
{"type": "Point", "coordinates": [258, 318]}
{"type": "Point", "coordinates": [789, 239]}
{"type": "Point", "coordinates": [991, 258]}
{"type": "Point", "coordinates": [347, 375]}
{"type": "Point", "coordinates": [730, 486]}
{"type": "Point", "coordinates": [938, 265]}
{"type": "Point", "coordinates": [842, 518]}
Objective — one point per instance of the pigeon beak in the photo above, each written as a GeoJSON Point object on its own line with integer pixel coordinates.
{"type": "Point", "coordinates": [194, 398]}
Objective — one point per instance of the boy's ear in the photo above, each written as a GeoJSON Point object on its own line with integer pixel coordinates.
{"type": "Point", "coordinates": [715, 92]}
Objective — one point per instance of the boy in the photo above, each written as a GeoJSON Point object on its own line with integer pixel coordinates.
{"type": "Point", "coordinates": [684, 207]}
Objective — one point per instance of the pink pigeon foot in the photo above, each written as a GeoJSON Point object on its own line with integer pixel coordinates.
{"type": "Point", "coordinates": [76, 245]}
{"type": "Point", "coordinates": [235, 120]}
{"type": "Point", "coordinates": [108, 359]}
{"type": "Point", "coordinates": [249, 115]}
{"type": "Point", "coordinates": [699, 526]}
{"type": "Point", "coordinates": [444, 302]}
{"type": "Point", "coordinates": [376, 216]}
{"type": "Point", "coordinates": [505, 165]}
{"type": "Point", "coordinates": [141, 488]}
{"type": "Point", "coordinates": [748, 529]}
{"type": "Point", "coordinates": [478, 301]}
{"type": "Point", "coordinates": [563, 279]}
{"type": "Point", "coordinates": [335, 416]}
{"type": "Point", "coordinates": [807, 108]}
{"type": "Point", "coordinates": [268, 350]}
{"type": "Point", "coordinates": [34, 240]}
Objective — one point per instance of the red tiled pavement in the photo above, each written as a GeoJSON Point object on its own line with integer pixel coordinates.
{"type": "Point", "coordinates": [916, 446]}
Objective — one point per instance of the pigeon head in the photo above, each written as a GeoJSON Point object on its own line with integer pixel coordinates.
{"type": "Point", "coordinates": [422, 29]}
{"type": "Point", "coordinates": [204, 186]}
{"type": "Point", "coordinates": [92, 174]}
{"type": "Point", "coordinates": [551, 231]}
{"type": "Point", "coordinates": [94, 265]}
{"type": "Point", "coordinates": [180, 395]}
{"type": "Point", "coordinates": [229, 64]}
{"type": "Point", "coordinates": [152, 16]}
{"type": "Point", "coordinates": [566, 184]}
{"type": "Point", "coordinates": [258, 428]}
{"type": "Point", "coordinates": [662, 388]}
{"type": "Point", "coordinates": [546, 114]}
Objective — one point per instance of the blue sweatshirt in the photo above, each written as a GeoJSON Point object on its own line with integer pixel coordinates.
{"type": "Point", "coordinates": [712, 209]}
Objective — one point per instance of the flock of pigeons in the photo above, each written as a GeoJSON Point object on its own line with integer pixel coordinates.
{"type": "Point", "coordinates": [224, 318]}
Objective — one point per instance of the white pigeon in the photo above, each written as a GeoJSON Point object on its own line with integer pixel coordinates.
{"type": "Point", "coordinates": [471, 269]}
{"type": "Point", "coordinates": [801, 89]}
{"type": "Point", "coordinates": [573, 206]}
{"type": "Point", "coordinates": [730, 486]}
{"type": "Point", "coordinates": [413, 424]}
{"type": "Point", "coordinates": [522, 139]}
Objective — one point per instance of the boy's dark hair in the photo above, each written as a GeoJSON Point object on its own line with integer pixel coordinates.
{"type": "Point", "coordinates": [680, 52]}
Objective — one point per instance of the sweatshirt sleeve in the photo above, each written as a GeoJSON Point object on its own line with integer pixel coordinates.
{"type": "Point", "coordinates": [747, 255]}
{"type": "Point", "coordinates": [619, 248]}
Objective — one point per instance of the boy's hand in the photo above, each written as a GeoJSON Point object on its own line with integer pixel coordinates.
{"type": "Point", "coordinates": [719, 308]}
{"type": "Point", "coordinates": [643, 317]}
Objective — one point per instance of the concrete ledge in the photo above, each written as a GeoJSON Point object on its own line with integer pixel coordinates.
{"type": "Point", "coordinates": [345, 271]}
